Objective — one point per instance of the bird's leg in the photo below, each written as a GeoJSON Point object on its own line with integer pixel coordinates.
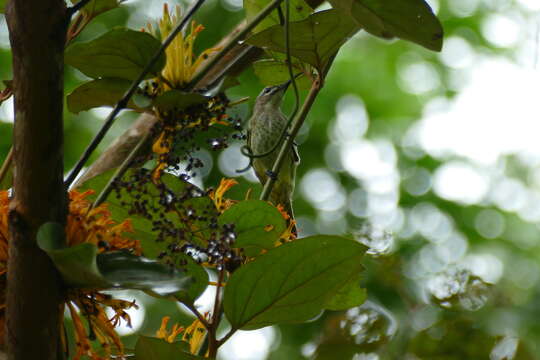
{"type": "Point", "coordinates": [272, 175]}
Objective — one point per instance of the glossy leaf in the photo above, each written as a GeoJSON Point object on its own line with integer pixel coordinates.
{"type": "Point", "coordinates": [149, 348]}
{"type": "Point", "coordinates": [411, 20]}
{"type": "Point", "coordinates": [81, 266]}
{"type": "Point", "coordinates": [257, 224]}
{"type": "Point", "coordinates": [291, 283]}
{"type": "Point", "coordinates": [143, 228]}
{"type": "Point", "coordinates": [200, 279]}
{"type": "Point", "coordinates": [96, 7]}
{"type": "Point", "coordinates": [96, 93]}
{"type": "Point", "coordinates": [299, 10]}
{"type": "Point", "coordinates": [272, 72]}
{"type": "Point", "coordinates": [176, 99]}
{"type": "Point", "coordinates": [313, 40]}
{"type": "Point", "coordinates": [119, 53]}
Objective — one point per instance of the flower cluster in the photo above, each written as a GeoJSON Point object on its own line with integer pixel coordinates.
{"type": "Point", "coordinates": [84, 225]}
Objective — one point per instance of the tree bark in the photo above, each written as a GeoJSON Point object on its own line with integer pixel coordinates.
{"type": "Point", "coordinates": [37, 30]}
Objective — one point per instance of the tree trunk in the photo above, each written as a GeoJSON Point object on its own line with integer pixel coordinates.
{"type": "Point", "coordinates": [37, 30]}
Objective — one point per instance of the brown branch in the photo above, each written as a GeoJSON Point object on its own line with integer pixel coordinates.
{"type": "Point", "coordinates": [119, 149]}
{"type": "Point", "coordinates": [37, 30]}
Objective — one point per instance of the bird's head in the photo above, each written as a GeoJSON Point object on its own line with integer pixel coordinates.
{"type": "Point", "coordinates": [272, 95]}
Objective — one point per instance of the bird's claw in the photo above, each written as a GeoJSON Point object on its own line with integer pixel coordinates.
{"type": "Point", "coordinates": [272, 175]}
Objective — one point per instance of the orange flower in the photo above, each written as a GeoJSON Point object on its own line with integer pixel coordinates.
{"type": "Point", "coordinates": [217, 196]}
{"type": "Point", "coordinates": [92, 306]}
{"type": "Point", "coordinates": [96, 227]}
{"type": "Point", "coordinates": [166, 335]}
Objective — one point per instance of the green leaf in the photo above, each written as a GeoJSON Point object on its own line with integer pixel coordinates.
{"type": "Point", "coordinates": [3, 6]}
{"type": "Point", "coordinates": [411, 20]}
{"type": "Point", "coordinates": [149, 348]}
{"type": "Point", "coordinates": [81, 266]}
{"type": "Point", "coordinates": [143, 226]}
{"type": "Point", "coordinates": [96, 7]}
{"type": "Point", "coordinates": [119, 53]}
{"type": "Point", "coordinates": [200, 279]}
{"type": "Point", "coordinates": [291, 283]}
{"type": "Point", "coordinates": [176, 99]}
{"type": "Point", "coordinates": [313, 40]}
{"type": "Point", "coordinates": [350, 295]}
{"type": "Point", "coordinates": [257, 224]}
{"type": "Point", "coordinates": [272, 72]}
{"type": "Point", "coordinates": [299, 10]}
{"type": "Point", "coordinates": [101, 92]}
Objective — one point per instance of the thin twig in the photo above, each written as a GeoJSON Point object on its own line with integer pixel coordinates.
{"type": "Point", "coordinates": [232, 42]}
{"type": "Point", "coordinates": [199, 316]}
{"type": "Point", "coordinates": [125, 99]}
{"type": "Point", "coordinates": [226, 337]}
{"type": "Point", "coordinates": [217, 300]}
{"type": "Point", "coordinates": [6, 165]}
{"type": "Point", "coordinates": [120, 171]}
{"type": "Point", "coordinates": [213, 343]}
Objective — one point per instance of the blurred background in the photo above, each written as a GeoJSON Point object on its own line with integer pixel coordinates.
{"type": "Point", "coordinates": [430, 159]}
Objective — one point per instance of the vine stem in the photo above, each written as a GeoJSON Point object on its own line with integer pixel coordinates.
{"type": "Point", "coordinates": [296, 125]}
{"type": "Point", "coordinates": [231, 43]}
{"type": "Point", "coordinates": [130, 92]}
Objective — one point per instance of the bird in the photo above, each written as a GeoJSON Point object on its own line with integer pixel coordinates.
{"type": "Point", "coordinates": [265, 129]}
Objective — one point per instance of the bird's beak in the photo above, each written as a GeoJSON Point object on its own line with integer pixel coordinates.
{"type": "Point", "coordinates": [285, 85]}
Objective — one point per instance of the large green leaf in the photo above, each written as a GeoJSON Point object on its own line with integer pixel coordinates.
{"type": "Point", "coordinates": [257, 225]}
{"type": "Point", "coordinates": [81, 266]}
{"type": "Point", "coordinates": [143, 228]}
{"type": "Point", "coordinates": [101, 92]}
{"type": "Point", "coordinates": [272, 72]}
{"type": "Point", "coordinates": [119, 53]}
{"type": "Point", "coordinates": [96, 7]}
{"type": "Point", "coordinates": [149, 348]}
{"type": "Point", "coordinates": [291, 283]}
{"type": "Point", "coordinates": [411, 20]}
{"type": "Point", "coordinates": [142, 225]}
{"type": "Point", "coordinates": [299, 10]}
{"type": "Point", "coordinates": [313, 40]}
{"type": "Point", "coordinates": [348, 296]}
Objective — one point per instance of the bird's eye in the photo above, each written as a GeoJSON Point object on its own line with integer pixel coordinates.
{"type": "Point", "coordinates": [267, 90]}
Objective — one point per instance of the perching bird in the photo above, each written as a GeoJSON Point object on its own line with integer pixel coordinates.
{"type": "Point", "coordinates": [265, 128]}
